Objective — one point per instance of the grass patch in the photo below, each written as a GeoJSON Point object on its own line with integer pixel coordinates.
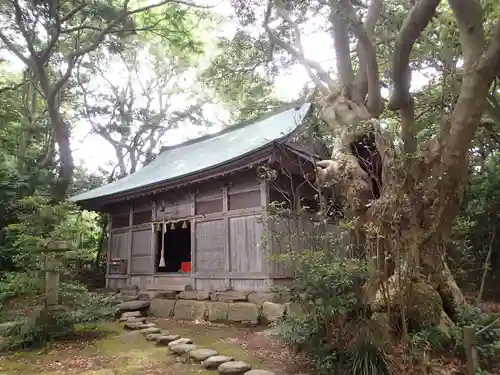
{"type": "Point", "coordinates": [114, 353]}
{"type": "Point", "coordinates": [107, 349]}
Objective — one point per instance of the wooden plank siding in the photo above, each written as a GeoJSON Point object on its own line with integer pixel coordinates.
{"type": "Point", "coordinates": [210, 246]}
{"type": "Point", "coordinates": [245, 235]}
{"type": "Point", "coordinates": [227, 248]}
{"type": "Point", "coordinates": [141, 252]}
{"type": "Point", "coordinates": [228, 236]}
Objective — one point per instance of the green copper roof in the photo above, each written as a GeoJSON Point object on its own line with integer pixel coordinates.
{"type": "Point", "coordinates": [206, 152]}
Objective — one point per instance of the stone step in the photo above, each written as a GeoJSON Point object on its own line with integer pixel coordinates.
{"type": "Point", "coordinates": [133, 306]}
{"type": "Point", "coordinates": [149, 330]}
{"type": "Point", "coordinates": [181, 349]}
{"type": "Point", "coordinates": [200, 355]}
{"type": "Point", "coordinates": [214, 362]}
{"type": "Point", "coordinates": [182, 340]}
{"type": "Point", "coordinates": [164, 340]}
{"type": "Point", "coordinates": [259, 372]}
{"type": "Point", "coordinates": [234, 368]}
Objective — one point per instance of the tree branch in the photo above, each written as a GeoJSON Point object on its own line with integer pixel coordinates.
{"type": "Point", "coordinates": [467, 114]}
{"type": "Point", "coordinates": [408, 130]}
{"type": "Point", "coordinates": [73, 12]}
{"type": "Point", "coordinates": [367, 59]}
{"type": "Point", "coordinates": [416, 21]}
{"type": "Point", "coordinates": [469, 16]}
{"type": "Point", "coordinates": [99, 37]}
{"type": "Point", "coordinates": [361, 80]}
{"type": "Point", "coordinates": [490, 64]}
{"type": "Point", "coordinates": [57, 31]}
{"type": "Point", "coordinates": [20, 23]}
{"type": "Point", "coordinates": [14, 48]}
{"type": "Point", "coordinates": [341, 44]}
{"type": "Point", "coordinates": [320, 78]}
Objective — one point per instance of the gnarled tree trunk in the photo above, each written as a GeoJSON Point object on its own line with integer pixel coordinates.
{"type": "Point", "coordinates": [404, 199]}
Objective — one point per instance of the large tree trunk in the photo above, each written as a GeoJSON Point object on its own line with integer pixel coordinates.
{"type": "Point", "coordinates": [66, 162]}
{"type": "Point", "coordinates": [403, 199]}
{"type": "Point", "coordinates": [60, 128]}
{"type": "Point", "coordinates": [399, 211]}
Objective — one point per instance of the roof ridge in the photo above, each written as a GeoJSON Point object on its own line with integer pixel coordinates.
{"type": "Point", "coordinates": [277, 110]}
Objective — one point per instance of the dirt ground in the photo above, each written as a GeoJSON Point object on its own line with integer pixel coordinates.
{"type": "Point", "coordinates": [109, 350]}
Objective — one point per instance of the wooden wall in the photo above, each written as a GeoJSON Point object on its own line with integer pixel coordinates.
{"type": "Point", "coordinates": [226, 247]}
{"type": "Point", "coordinates": [289, 233]}
{"type": "Point", "coordinates": [228, 252]}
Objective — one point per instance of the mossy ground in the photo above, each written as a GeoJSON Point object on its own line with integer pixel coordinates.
{"type": "Point", "coordinates": [109, 350]}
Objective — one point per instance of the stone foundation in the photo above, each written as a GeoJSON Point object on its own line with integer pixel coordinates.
{"type": "Point", "coordinates": [236, 307]}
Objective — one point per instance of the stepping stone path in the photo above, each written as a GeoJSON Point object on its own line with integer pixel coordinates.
{"type": "Point", "coordinates": [153, 336]}
{"type": "Point", "coordinates": [133, 319]}
{"type": "Point", "coordinates": [164, 340]}
{"type": "Point", "coordinates": [214, 362]}
{"type": "Point", "coordinates": [201, 354]}
{"type": "Point", "coordinates": [234, 368]}
{"type": "Point", "coordinates": [131, 314]}
{"type": "Point", "coordinates": [180, 341]}
{"type": "Point", "coordinates": [147, 331]}
{"type": "Point", "coordinates": [182, 348]}
{"type": "Point", "coordinates": [132, 326]}
{"type": "Point", "coordinates": [210, 359]}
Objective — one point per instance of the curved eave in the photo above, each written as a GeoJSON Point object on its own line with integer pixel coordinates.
{"type": "Point", "coordinates": [247, 160]}
{"type": "Point", "coordinates": [219, 171]}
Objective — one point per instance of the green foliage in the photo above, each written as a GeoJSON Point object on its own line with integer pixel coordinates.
{"type": "Point", "coordinates": [428, 339]}
{"type": "Point", "coordinates": [487, 329]}
{"type": "Point", "coordinates": [16, 284]}
{"type": "Point", "coordinates": [40, 221]}
{"type": "Point", "coordinates": [333, 327]}
{"type": "Point", "coordinates": [236, 81]}
{"type": "Point", "coordinates": [90, 307]}
{"type": "Point", "coordinates": [328, 287]}
{"type": "Point", "coordinates": [478, 229]}
{"type": "Point", "coordinates": [79, 306]}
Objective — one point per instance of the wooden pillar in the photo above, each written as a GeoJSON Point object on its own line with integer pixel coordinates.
{"type": "Point", "coordinates": [227, 244]}
{"type": "Point", "coordinates": [129, 244]}
{"type": "Point", "coordinates": [153, 238]}
{"type": "Point", "coordinates": [471, 350]}
{"type": "Point", "coordinates": [264, 202]}
{"type": "Point", "coordinates": [108, 249]}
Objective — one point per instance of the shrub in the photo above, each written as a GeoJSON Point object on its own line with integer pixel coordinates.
{"type": "Point", "coordinates": [487, 327]}
{"type": "Point", "coordinates": [79, 306]}
{"type": "Point", "coordinates": [16, 284]}
{"type": "Point", "coordinates": [335, 329]}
